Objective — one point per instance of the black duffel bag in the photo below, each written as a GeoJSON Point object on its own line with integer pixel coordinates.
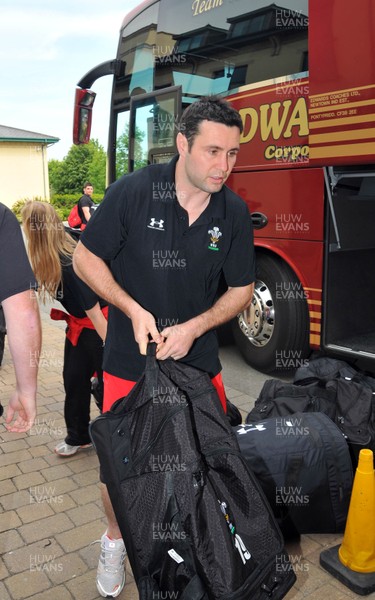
{"type": "Point", "coordinates": [303, 465]}
{"type": "Point", "coordinates": [354, 402]}
{"type": "Point", "coordinates": [329, 386]}
{"type": "Point", "coordinates": [278, 398]}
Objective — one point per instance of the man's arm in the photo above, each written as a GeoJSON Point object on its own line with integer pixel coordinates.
{"type": "Point", "coordinates": [86, 212]}
{"type": "Point", "coordinates": [24, 338]}
{"type": "Point", "coordinates": [98, 320]}
{"type": "Point", "coordinates": [178, 339]}
{"type": "Point", "coordinates": [94, 271]}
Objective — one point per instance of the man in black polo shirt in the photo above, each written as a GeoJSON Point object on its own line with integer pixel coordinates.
{"type": "Point", "coordinates": [170, 233]}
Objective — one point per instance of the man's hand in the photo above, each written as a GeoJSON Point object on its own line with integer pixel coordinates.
{"type": "Point", "coordinates": [144, 326]}
{"type": "Point", "coordinates": [177, 341]}
{"type": "Point", "coordinates": [22, 411]}
{"type": "Point", "coordinates": [24, 339]}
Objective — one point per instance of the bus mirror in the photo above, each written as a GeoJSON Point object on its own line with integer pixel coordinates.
{"type": "Point", "coordinates": [83, 103]}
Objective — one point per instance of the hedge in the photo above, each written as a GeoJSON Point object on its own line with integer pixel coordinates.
{"type": "Point", "coordinates": [63, 203]}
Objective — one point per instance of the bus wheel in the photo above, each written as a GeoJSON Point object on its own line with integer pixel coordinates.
{"type": "Point", "coordinates": [273, 333]}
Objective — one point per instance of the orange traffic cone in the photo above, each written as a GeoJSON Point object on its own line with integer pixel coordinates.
{"type": "Point", "coordinates": [353, 563]}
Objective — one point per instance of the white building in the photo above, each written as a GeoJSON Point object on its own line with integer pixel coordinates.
{"type": "Point", "coordinates": [23, 164]}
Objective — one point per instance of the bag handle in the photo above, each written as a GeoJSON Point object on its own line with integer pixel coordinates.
{"type": "Point", "coordinates": [151, 353]}
{"type": "Point", "coordinates": [152, 369]}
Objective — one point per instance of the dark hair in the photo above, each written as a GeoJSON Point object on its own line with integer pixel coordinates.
{"type": "Point", "coordinates": [210, 108]}
{"type": "Point", "coordinates": [86, 184]}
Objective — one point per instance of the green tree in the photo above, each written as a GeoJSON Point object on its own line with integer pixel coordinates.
{"type": "Point", "coordinates": [97, 170]}
{"type": "Point", "coordinates": [86, 162]}
{"type": "Point", "coordinates": [122, 151]}
{"type": "Point", "coordinates": [55, 175]}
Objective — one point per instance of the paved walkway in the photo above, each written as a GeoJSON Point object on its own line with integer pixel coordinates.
{"type": "Point", "coordinates": [50, 509]}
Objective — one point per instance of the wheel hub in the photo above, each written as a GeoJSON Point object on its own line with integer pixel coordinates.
{"type": "Point", "coordinates": [257, 322]}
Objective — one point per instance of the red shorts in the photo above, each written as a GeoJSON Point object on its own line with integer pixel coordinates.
{"type": "Point", "coordinates": [115, 388]}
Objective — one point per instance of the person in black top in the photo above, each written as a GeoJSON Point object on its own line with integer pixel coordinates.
{"type": "Point", "coordinates": [50, 249]}
{"type": "Point", "coordinates": [157, 249]}
{"type": "Point", "coordinates": [85, 204]}
{"type": "Point", "coordinates": [22, 317]}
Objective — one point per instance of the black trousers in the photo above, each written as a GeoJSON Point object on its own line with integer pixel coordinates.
{"type": "Point", "coordinates": [80, 364]}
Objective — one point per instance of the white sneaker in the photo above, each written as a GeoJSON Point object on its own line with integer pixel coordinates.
{"type": "Point", "coordinates": [110, 576]}
{"type": "Point", "coordinates": [64, 449]}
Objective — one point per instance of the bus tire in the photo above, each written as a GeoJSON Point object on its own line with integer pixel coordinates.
{"type": "Point", "coordinates": [273, 333]}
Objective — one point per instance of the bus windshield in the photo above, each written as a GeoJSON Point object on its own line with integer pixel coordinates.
{"type": "Point", "coordinates": [209, 47]}
{"type": "Point", "coordinates": [212, 47]}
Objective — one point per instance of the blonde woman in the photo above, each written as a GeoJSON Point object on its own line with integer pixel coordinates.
{"type": "Point", "coordinates": [50, 250]}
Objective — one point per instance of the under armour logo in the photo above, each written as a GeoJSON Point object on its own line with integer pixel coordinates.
{"type": "Point", "coordinates": [154, 224]}
{"type": "Point", "coordinates": [253, 427]}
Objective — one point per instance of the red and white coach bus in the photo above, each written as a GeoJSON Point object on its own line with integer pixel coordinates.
{"type": "Point", "coordinates": [302, 75]}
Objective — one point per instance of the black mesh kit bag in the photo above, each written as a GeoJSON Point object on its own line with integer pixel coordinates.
{"type": "Point", "coordinates": [195, 521]}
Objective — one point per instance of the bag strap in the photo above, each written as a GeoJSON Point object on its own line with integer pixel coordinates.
{"type": "Point", "coordinates": [152, 370]}
{"type": "Point", "coordinates": [295, 464]}
{"type": "Point", "coordinates": [151, 352]}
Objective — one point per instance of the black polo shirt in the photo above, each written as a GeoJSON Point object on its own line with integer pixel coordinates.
{"type": "Point", "coordinates": [172, 270]}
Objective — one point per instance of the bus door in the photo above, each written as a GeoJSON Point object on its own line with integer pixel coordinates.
{"type": "Point", "coordinates": [154, 119]}
{"type": "Point", "coordinates": [349, 289]}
